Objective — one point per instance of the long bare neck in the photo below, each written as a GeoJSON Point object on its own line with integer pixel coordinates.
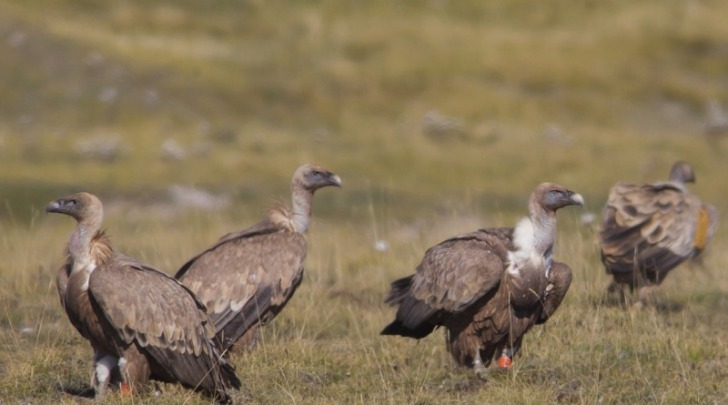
{"type": "Point", "coordinates": [301, 200]}
{"type": "Point", "coordinates": [544, 229]}
{"type": "Point", "coordinates": [79, 245]}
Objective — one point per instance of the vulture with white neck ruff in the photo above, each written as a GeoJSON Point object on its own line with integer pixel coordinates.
{"type": "Point", "coordinates": [140, 322]}
{"type": "Point", "coordinates": [488, 287]}
{"type": "Point", "coordinates": [649, 229]}
{"type": "Point", "coordinates": [246, 278]}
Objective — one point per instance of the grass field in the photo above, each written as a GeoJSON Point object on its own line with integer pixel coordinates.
{"type": "Point", "coordinates": [439, 116]}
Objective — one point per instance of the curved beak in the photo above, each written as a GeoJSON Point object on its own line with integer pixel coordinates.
{"type": "Point", "coordinates": [576, 198]}
{"type": "Point", "coordinates": [335, 180]}
{"type": "Point", "coordinates": [55, 206]}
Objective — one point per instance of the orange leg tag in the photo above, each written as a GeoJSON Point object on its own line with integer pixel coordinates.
{"type": "Point", "coordinates": [505, 361]}
{"type": "Point", "coordinates": [125, 389]}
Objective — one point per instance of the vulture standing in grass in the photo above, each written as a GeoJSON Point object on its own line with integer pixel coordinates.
{"type": "Point", "coordinates": [488, 287]}
{"type": "Point", "coordinates": [141, 323]}
{"type": "Point", "coordinates": [246, 278]}
{"type": "Point", "coordinates": [649, 229]}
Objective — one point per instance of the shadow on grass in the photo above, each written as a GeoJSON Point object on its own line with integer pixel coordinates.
{"type": "Point", "coordinates": [80, 392]}
{"type": "Point", "coordinates": [668, 306]}
{"type": "Point", "coordinates": [660, 304]}
{"type": "Point", "coordinates": [460, 383]}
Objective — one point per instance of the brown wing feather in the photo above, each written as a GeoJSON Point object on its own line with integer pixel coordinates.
{"type": "Point", "coordinates": [163, 318]}
{"type": "Point", "coordinates": [246, 277]}
{"type": "Point", "coordinates": [261, 228]}
{"type": "Point", "coordinates": [498, 324]}
{"type": "Point", "coordinates": [485, 330]}
{"type": "Point", "coordinates": [452, 277]}
{"type": "Point", "coordinates": [458, 271]}
{"type": "Point", "coordinates": [654, 224]}
{"type": "Point", "coordinates": [62, 275]}
{"type": "Point", "coordinates": [559, 280]}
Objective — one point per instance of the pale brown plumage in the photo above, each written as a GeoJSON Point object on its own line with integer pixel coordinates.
{"type": "Point", "coordinates": [246, 278]}
{"type": "Point", "coordinates": [488, 287]}
{"type": "Point", "coordinates": [140, 322]}
{"type": "Point", "coordinates": [649, 229]}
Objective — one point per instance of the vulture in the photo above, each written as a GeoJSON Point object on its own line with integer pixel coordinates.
{"type": "Point", "coordinates": [141, 323]}
{"type": "Point", "coordinates": [246, 278]}
{"type": "Point", "coordinates": [488, 287]}
{"type": "Point", "coordinates": [649, 229]}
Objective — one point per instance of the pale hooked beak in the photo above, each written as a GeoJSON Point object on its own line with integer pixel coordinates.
{"type": "Point", "coordinates": [335, 180]}
{"type": "Point", "coordinates": [54, 206]}
{"type": "Point", "coordinates": [576, 198]}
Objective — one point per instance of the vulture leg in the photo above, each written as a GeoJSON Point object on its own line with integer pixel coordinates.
{"type": "Point", "coordinates": [616, 288]}
{"type": "Point", "coordinates": [135, 371]}
{"type": "Point", "coordinates": [645, 295]}
{"type": "Point", "coordinates": [642, 288]}
{"type": "Point", "coordinates": [478, 364]}
{"type": "Point", "coordinates": [104, 365]}
{"type": "Point", "coordinates": [506, 358]}
{"type": "Point", "coordinates": [248, 341]}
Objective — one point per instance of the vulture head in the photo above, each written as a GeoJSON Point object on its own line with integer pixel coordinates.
{"type": "Point", "coordinates": [307, 179]}
{"type": "Point", "coordinates": [312, 177]}
{"type": "Point", "coordinates": [82, 207]}
{"type": "Point", "coordinates": [681, 172]}
{"type": "Point", "coordinates": [550, 197]}
{"type": "Point", "coordinates": [536, 234]}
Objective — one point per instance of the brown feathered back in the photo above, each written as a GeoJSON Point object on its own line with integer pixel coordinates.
{"type": "Point", "coordinates": [171, 326]}
{"type": "Point", "coordinates": [455, 273]}
{"type": "Point", "coordinates": [652, 228]}
{"type": "Point", "coordinates": [246, 278]}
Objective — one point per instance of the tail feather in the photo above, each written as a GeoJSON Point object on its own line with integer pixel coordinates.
{"type": "Point", "coordinates": [229, 378]}
{"type": "Point", "coordinates": [398, 328]}
{"type": "Point", "coordinates": [413, 317]}
{"type": "Point", "coordinates": [225, 379]}
{"type": "Point", "coordinates": [399, 290]}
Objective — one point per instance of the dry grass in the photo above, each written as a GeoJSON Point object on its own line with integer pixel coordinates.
{"type": "Point", "coordinates": [583, 94]}
{"type": "Point", "coordinates": [325, 347]}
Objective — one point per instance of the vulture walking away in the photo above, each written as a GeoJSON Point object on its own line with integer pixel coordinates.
{"type": "Point", "coordinates": [141, 323]}
{"type": "Point", "coordinates": [246, 278]}
{"type": "Point", "coordinates": [488, 287]}
{"type": "Point", "coordinates": [649, 229]}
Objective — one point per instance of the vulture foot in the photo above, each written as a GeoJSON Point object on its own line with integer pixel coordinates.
{"type": "Point", "coordinates": [134, 370]}
{"type": "Point", "coordinates": [104, 366]}
{"type": "Point", "coordinates": [478, 365]}
{"type": "Point", "coordinates": [645, 296]}
{"type": "Point", "coordinates": [618, 290]}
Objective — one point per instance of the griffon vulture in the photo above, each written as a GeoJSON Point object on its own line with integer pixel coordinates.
{"type": "Point", "coordinates": [246, 278]}
{"type": "Point", "coordinates": [141, 323]}
{"type": "Point", "coordinates": [488, 287]}
{"type": "Point", "coordinates": [649, 229]}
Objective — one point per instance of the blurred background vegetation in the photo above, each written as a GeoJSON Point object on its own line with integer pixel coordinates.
{"type": "Point", "coordinates": [407, 99]}
{"type": "Point", "coordinates": [189, 117]}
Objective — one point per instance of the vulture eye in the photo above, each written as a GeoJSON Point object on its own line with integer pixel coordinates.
{"type": "Point", "coordinates": [72, 203]}
{"type": "Point", "coordinates": [555, 193]}
{"type": "Point", "coordinates": [316, 173]}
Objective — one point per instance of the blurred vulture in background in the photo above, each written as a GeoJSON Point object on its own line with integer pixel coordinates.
{"type": "Point", "coordinates": [141, 323]}
{"type": "Point", "coordinates": [488, 287]}
{"type": "Point", "coordinates": [649, 229]}
{"type": "Point", "coordinates": [246, 278]}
